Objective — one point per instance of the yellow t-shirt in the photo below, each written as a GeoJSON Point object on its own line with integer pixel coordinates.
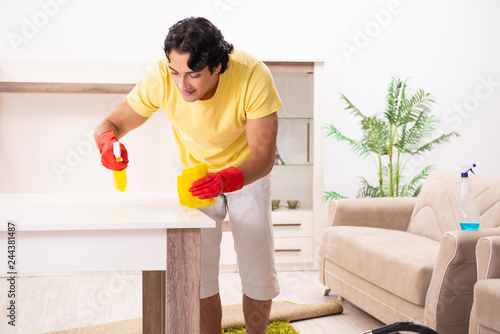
{"type": "Point", "coordinates": [210, 131]}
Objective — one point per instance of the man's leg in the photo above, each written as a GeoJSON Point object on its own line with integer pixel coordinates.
{"type": "Point", "coordinates": [210, 303]}
{"type": "Point", "coordinates": [211, 315]}
{"type": "Point", "coordinates": [256, 314]}
{"type": "Point", "coordinates": [251, 223]}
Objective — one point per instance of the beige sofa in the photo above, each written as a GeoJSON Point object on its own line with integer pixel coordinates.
{"type": "Point", "coordinates": [485, 315]}
{"type": "Point", "coordinates": [406, 258]}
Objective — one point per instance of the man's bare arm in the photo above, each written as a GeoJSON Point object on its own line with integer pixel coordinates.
{"type": "Point", "coordinates": [121, 120]}
{"type": "Point", "coordinates": [261, 136]}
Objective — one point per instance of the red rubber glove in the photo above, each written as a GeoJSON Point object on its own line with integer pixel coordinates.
{"type": "Point", "coordinates": [214, 184]}
{"type": "Point", "coordinates": [108, 159]}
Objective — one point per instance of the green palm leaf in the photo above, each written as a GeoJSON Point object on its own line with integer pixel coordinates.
{"type": "Point", "coordinates": [430, 145]}
{"type": "Point", "coordinates": [412, 189]}
{"type": "Point", "coordinates": [423, 128]}
{"type": "Point", "coordinates": [393, 100]}
{"type": "Point", "coordinates": [331, 195]}
{"type": "Point", "coordinates": [367, 190]}
{"type": "Point", "coordinates": [375, 136]}
{"type": "Point", "coordinates": [416, 106]}
{"type": "Point", "coordinates": [356, 146]}
{"type": "Point", "coordinates": [353, 110]}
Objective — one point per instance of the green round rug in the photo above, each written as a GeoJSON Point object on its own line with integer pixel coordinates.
{"type": "Point", "coordinates": [275, 327]}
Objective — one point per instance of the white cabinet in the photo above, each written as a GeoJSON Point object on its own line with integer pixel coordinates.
{"type": "Point", "coordinates": [298, 175]}
{"type": "Point", "coordinates": [289, 223]}
{"type": "Point", "coordinates": [293, 238]}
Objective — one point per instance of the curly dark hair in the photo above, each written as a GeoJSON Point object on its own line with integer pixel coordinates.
{"type": "Point", "coordinates": [202, 40]}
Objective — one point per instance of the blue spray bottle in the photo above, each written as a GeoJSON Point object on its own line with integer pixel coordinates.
{"type": "Point", "coordinates": [468, 212]}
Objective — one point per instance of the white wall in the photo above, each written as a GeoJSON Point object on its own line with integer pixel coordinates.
{"type": "Point", "coordinates": [448, 48]}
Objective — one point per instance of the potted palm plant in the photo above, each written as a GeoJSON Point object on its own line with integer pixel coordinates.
{"type": "Point", "coordinates": [405, 129]}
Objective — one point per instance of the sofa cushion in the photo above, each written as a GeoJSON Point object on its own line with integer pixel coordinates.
{"type": "Point", "coordinates": [396, 261]}
{"type": "Point", "coordinates": [436, 209]}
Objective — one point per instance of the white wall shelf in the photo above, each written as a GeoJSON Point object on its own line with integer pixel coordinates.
{"type": "Point", "coordinates": [91, 78]}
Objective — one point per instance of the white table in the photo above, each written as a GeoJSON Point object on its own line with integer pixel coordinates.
{"type": "Point", "coordinates": [149, 232]}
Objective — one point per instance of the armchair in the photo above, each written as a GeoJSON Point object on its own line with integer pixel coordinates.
{"type": "Point", "coordinates": [485, 314]}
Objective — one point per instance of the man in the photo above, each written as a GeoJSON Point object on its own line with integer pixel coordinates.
{"type": "Point", "coordinates": [223, 105]}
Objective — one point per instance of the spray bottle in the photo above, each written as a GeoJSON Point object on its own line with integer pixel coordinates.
{"type": "Point", "coordinates": [119, 177]}
{"type": "Point", "coordinates": [468, 212]}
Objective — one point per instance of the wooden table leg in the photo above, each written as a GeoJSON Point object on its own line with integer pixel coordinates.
{"type": "Point", "coordinates": [183, 281]}
{"type": "Point", "coordinates": [153, 301]}
{"type": "Point", "coordinates": [171, 300]}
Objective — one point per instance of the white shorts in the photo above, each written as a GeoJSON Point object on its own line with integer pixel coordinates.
{"type": "Point", "coordinates": [249, 211]}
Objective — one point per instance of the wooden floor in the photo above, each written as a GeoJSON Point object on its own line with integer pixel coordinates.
{"type": "Point", "coordinates": [56, 302]}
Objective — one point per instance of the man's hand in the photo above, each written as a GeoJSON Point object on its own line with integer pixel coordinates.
{"type": "Point", "coordinates": [214, 184]}
{"type": "Point", "coordinates": [108, 159]}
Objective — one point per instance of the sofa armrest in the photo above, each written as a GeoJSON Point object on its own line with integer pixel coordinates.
{"type": "Point", "coordinates": [487, 257]}
{"type": "Point", "coordinates": [387, 212]}
{"type": "Point", "coordinates": [450, 295]}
